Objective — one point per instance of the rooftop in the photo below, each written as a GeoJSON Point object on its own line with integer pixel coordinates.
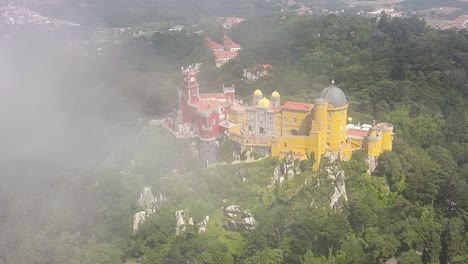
{"type": "Point", "coordinates": [356, 133]}
{"type": "Point", "coordinates": [334, 95]}
{"type": "Point", "coordinates": [226, 54]}
{"type": "Point", "coordinates": [297, 106]}
{"type": "Point", "coordinates": [229, 43]}
{"type": "Point", "coordinates": [212, 95]}
{"type": "Point", "coordinates": [213, 44]}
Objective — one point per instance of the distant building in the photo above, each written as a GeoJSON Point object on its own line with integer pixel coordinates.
{"type": "Point", "coordinates": [229, 22]}
{"type": "Point", "coordinates": [321, 128]}
{"type": "Point", "coordinates": [460, 22]}
{"type": "Point", "coordinates": [223, 53]}
{"type": "Point", "coordinates": [378, 12]}
{"type": "Point", "coordinates": [199, 114]}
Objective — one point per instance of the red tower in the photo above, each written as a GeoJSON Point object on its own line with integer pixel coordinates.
{"type": "Point", "coordinates": [230, 93]}
{"type": "Point", "coordinates": [188, 90]}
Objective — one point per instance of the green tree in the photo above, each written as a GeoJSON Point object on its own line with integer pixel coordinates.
{"type": "Point", "coordinates": [410, 257]}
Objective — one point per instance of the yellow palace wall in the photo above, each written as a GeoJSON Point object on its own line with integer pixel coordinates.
{"type": "Point", "coordinates": [336, 126]}
{"type": "Point", "coordinates": [294, 120]}
{"type": "Point", "coordinates": [387, 138]}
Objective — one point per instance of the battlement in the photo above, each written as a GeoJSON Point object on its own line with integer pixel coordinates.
{"type": "Point", "coordinates": [191, 69]}
{"type": "Point", "coordinates": [385, 126]}
{"type": "Point", "coordinates": [229, 89]}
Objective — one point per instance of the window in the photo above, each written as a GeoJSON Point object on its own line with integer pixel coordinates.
{"type": "Point", "coordinates": [329, 115]}
{"type": "Point", "coordinates": [329, 128]}
{"type": "Point", "coordinates": [328, 144]}
{"type": "Point", "coordinates": [269, 118]}
{"type": "Point", "coordinates": [285, 120]}
{"type": "Point", "coordinates": [285, 145]}
{"type": "Point", "coordinates": [294, 120]}
{"type": "Point", "coordinates": [342, 113]}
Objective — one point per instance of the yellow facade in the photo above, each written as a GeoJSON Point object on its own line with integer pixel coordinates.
{"type": "Point", "coordinates": [301, 129]}
{"type": "Point", "coordinates": [374, 146]}
{"type": "Point", "coordinates": [336, 126]}
{"type": "Point", "coordinates": [294, 122]}
{"type": "Point", "coordinates": [277, 123]}
{"type": "Point", "coordinates": [387, 136]}
{"type": "Point", "coordinates": [319, 122]}
{"type": "Point", "coordinates": [235, 129]}
{"type": "Point", "coordinates": [236, 116]}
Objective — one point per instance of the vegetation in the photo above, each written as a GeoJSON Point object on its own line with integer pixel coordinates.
{"type": "Point", "coordinates": [148, 13]}
{"type": "Point", "coordinates": [413, 208]}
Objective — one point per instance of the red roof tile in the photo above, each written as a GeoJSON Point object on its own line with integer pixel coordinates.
{"type": "Point", "coordinates": [356, 133]}
{"type": "Point", "coordinates": [229, 43]}
{"type": "Point", "coordinates": [213, 44]}
{"type": "Point", "coordinates": [296, 106]}
{"type": "Point", "coordinates": [226, 54]}
{"type": "Point", "coordinates": [213, 95]}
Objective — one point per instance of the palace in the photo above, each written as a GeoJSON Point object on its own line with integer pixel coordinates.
{"type": "Point", "coordinates": [321, 128]}
{"type": "Point", "coordinates": [223, 53]}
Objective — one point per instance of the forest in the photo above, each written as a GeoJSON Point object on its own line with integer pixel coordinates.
{"type": "Point", "coordinates": [413, 208]}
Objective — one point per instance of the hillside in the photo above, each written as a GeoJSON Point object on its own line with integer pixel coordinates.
{"type": "Point", "coordinates": [413, 208]}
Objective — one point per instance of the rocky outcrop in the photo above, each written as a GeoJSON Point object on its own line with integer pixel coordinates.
{"type": "Point", "coordinates": [372, 163]}
{"type": "Point", "coordinates": [340, 190]}
{"type": "Point", "coordinates": [337, 175]}
{"type": "Point", "coordinates": [148, 204]}
{"type": "Point", "coordinates": [203, 225]}
{"type": "Point", "coordinates": [138, 218]}
{"type": "Point", "coordinates": [183, 221]}
{"type": "Point", "coordinates": [238, 219]}
{"type": "Point", "coordinates": [180, 221]}
{"type": "Point", "coordinates": [285, 171]}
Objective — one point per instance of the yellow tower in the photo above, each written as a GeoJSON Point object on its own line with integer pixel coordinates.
{"type": "Point", "coordinates": [257, 96]}
{"type": "Point", "coordinates": [319, 123]}
{"type": "Point", "coordinates": [275, 99]}
{"type": "Point", "coordinates": [374, 142]}
{"type": "Point", "coordinates": [387, 135]}
{"type": "Point", "coordinates": [337, 114]}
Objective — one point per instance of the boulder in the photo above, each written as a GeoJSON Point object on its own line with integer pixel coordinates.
{"type": "Point", "coordinates": [138, 218]}
{"type": "Point", "coordinates": [238, 219]}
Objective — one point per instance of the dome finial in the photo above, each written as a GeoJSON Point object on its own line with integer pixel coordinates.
{"type": "Point", "coordinates": [333, 82]}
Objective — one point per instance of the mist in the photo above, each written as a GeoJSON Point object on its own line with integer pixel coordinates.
{"type": "Point", "coordinates": [60, 115]}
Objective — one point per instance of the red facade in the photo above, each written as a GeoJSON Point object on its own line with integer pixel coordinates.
{"type": "Point", "coordinates": [203, 112]}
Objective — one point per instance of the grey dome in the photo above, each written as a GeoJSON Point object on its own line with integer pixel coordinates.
{"type": "Point", "coordinates": [334, 96]}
